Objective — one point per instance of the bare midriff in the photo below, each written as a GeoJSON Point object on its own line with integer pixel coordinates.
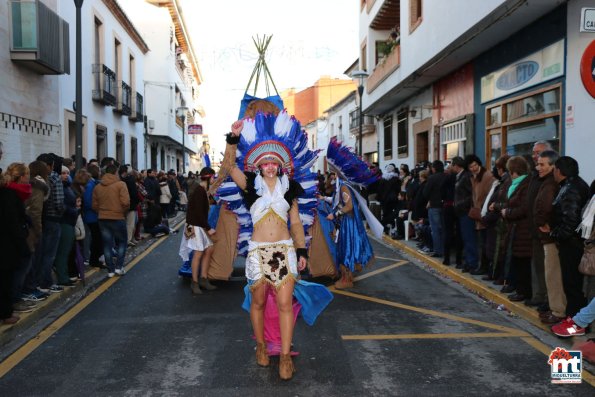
{"type": "Point", "coordinates": [270, 228]}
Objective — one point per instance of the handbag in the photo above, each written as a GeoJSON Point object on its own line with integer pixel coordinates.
{"type": "Point", "coordinates": [79, 228]}
{"type": "Point", "coordinates": [587, 264]}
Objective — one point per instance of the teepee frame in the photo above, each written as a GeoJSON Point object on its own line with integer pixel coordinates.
{"type": "Point", "coordinates": [261, 66]}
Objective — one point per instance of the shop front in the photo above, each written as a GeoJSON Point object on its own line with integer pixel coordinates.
{"type": "Point", "coordinates": [519, 90]}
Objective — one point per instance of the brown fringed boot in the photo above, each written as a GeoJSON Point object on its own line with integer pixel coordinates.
{"type": "Point", "coordinates": [262, 357]}
{"type": "Point", "coordinates": [195, 288]}
{"type": "Point", "coordinates": [286, 368]}
{"type": "Point", "coordinates": [346, 280]}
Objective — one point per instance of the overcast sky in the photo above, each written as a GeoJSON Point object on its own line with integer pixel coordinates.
{"type": "Point", "coordinates": [311, 38]}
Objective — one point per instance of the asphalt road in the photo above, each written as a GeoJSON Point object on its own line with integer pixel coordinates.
{"type": "Point", "coordinates": [401, 331]}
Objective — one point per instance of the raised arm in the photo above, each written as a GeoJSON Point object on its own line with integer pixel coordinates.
{"type": "Point", "coordinates": [228, 165]}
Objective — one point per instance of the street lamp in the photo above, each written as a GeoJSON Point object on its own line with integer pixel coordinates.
{"type": "Point", "coordinates": [360, 75]}
{"type": "Point", "coordinates": [181, 112]}
{"type": "Point", "coordinates": [78, 120]}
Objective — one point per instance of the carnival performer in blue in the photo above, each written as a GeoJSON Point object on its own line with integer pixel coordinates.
{"type": "Point", "coordinates": [272, 193]}
{"type": "Point", "coordinates": [353, 250]}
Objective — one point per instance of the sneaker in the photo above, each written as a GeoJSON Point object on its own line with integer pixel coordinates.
{"type": "Point", "coordinates": [54, 289]}
{"type": "Point", "coordinates": [159, 235]}
{"type": "Point", "coordinates": [86, 263]}
{"type": "Point", "coordinates": [44, 290]}
{"type": "Point", "coordinates": [22, 307]}
{"type": "Point", "coordinates": [568, 328]}
{"type": "Point", "coordinates": [34, 297]}
{"type": "Point", "coordinates": [120, 272]}
{"type": "Point", "coordinates": [110, 275]}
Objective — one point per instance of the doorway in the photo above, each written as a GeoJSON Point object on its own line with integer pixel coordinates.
{"type": "Point", "coordinates": [422, 146]}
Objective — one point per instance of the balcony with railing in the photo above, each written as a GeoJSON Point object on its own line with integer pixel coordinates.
{"type": "Point", "coordinates": [384, 69]}
{"type": "Point", "coordinates": [105, 90]}
{"type": "Point", "coordinates": [39, 38]}
{"type": "Point", "coordinates": [368, 125]}
{"type": "Point", "coordinates": [124, 100]}
{"type": "Point", "coordinates": [137, 108]}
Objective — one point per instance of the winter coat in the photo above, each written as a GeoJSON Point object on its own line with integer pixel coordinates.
{"type": "Point", "coordinates": [34, 209]}
{"type": "Point", "coordinates": [110, 198]}
{"type": "Point", "coordinates": [481, 184]}
{"type": "Point", "coordinates": [89, 215]}
{"type": "Point", "coordinates": [152, 187]}
{"type": "Point", "coordinates": [165, 197]}
{"type": "Point", "coordinates": [532, 191]}
{"type": "Point", "coordinates": [419, 210]}
{"type": "Point", "coordinates": [14, 230]}
{"type": "Point", "coordinates": [54, 205]}
{"type": "Point", "coordinates": [432, 191]}
{"type": "Point", "coordinates": [70, 211]}
{"type": "Point", "coordinates": [517, 209]}
{"type": "Point", "coordinates": [463, 193]}
{"type": "Point", "coordinates": [568, 207]}
{"type": "Point", "coordinates": [543, 206]}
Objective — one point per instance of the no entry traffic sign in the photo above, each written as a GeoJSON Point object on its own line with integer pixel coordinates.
{"type": "Point", "coordinates": [588, 69]}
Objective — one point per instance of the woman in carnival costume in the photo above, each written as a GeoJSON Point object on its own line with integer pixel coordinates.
{"type": "Point", "coordinates": [353, 250]}
{"type": "Point", "coordinates": [272, 194]}
{"type": "Point", "coordinates": [196, 245]}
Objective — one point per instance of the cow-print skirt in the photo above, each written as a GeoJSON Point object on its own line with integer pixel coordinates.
{"type": "Point", "coordinates": [273, 263]}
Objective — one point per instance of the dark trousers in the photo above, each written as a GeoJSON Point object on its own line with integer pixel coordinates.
{"type": "Point", "coordinates": [96, 244]}
{"type": "Point", "coordinates": [114, 235]}
{"type": "Point", "coordinates": [451, 235]}
{"type": "Point", "coordinates": [570, 253]}
{"type": "Point", "coordinates": [522, 268]}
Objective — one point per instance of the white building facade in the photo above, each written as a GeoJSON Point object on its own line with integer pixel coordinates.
{"type": "Point", "coordinates": [172, 77]}
{"type": "Point", "coordinates": [113, 58]}
{"type": "Point", "coordinates": [486, 77]}
{"type": "Point", "coordinates": [30, 69]}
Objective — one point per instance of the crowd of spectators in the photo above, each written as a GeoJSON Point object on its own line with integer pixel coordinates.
{"type": "Point", "coordinates": [521, 226]}
{"type": "Point", "coordinates": [58, 221]}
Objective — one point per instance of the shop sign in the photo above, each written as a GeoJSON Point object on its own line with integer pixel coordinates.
{"type": "Point", "coordinates": [194, 129]}
{"type": "Point", "coordinates": [541, 66]}
{"type": "Point", "coordinates": [588, 20]}
{"type": "Point", "coordinates": [588, 69]}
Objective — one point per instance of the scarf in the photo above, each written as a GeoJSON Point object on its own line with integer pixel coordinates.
{"type": "Point", "coordinates": [515, 183]}
{"type": "Point", "coordinates": [585, 228]}
{"type": "Point", "coordinates": [23, 190]}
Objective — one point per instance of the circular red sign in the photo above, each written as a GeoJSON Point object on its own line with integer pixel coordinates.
{"type": "Point", "coordinates": [588, 69]}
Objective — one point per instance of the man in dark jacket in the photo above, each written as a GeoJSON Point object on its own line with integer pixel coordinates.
{"type": "Point", "coordinates": [433, 194]}
{"type": "Point", "coordinates": [152, 187]}
{"type": "Point", "coordinates": [127, 176]}
{"type": "Point", "coordinates": [537, 259]}
{"type": "Point", "coordinates": [462, 205]}
{"type": "Point", "coordinates": [568, 206]}
{"type": "Point", "coordinates": [542, 215]}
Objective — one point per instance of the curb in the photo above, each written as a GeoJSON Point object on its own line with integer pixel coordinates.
{"type": "Point", "coordinates": [14, 336]}
{"type": "Point", "coordinates": [473, 285]}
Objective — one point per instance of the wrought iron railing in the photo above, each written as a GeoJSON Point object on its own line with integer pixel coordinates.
{"type": "Point", "coordinates": [105, 90]}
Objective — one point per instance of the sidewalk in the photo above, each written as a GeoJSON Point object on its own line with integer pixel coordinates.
{"type": "Point", "coordinates": [47, 311]}
{"type": "Point", "coordinates": [485, 289]}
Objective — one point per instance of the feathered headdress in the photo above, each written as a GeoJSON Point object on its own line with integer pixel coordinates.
{"type": "Point", "coordinates": [283, 137]}
{"type": "Point", "coordinates": [348, 165]}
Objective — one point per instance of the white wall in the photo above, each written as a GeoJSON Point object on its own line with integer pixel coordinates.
{"type": "Point", "coordinates": [577, 96]}
{"type": "Point", "coordinates": [96, 113]}
{"type": "Point", "coordinates": [29, 117]}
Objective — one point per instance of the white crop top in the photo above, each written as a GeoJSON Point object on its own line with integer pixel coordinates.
{"type": "Point", "coordinates": [270, 201]}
